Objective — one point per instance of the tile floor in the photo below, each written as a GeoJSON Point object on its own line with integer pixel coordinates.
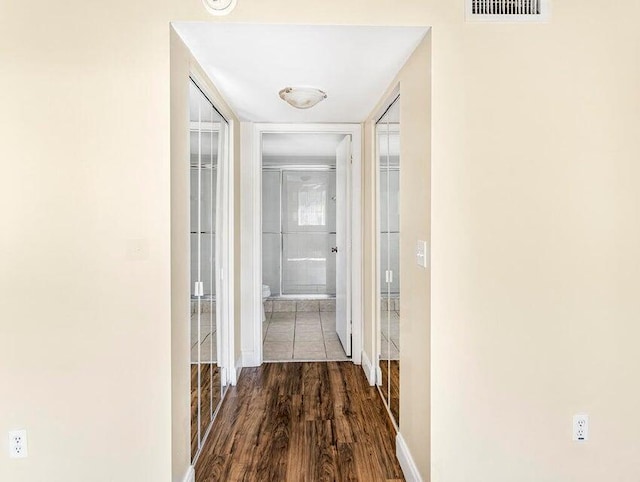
{"type": "Point", "coordinates": [306, 334]}
{"type": "Point", "coordinates": [208, 335]}
{"type": "Point", "coordinates": [301, 335]}
{"type": "Point", "coordinates": [390, 335]}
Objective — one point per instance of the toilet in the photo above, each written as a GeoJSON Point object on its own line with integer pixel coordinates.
{"type": "Point", "coordinates": [266, 292]}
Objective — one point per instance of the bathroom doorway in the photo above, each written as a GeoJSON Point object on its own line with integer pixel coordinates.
{"type": "Point", "coordinates": [300, 263]}
{"type": "Point", "coordinates": [306, 176]}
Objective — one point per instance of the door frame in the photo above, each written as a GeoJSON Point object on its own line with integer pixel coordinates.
{"type": "Point", "coordinates": [224, 251]}
{"type": "Point", "coordinates": [252, 193]}
{"type": "Point", "coordinates": [392, 98]}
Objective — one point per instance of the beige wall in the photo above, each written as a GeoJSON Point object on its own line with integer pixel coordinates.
{"type": "Point", "coordinates": [534, 230]}
{"type": "Point", "coordinates": [181, 66]}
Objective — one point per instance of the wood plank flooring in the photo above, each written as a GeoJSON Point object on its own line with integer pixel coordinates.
{"type": "Point", "coordinates": [301, 422]}
{"type": "Point", "coordinates": [390, 370]}
{"type": "Point", "coordinates": [210, 395]}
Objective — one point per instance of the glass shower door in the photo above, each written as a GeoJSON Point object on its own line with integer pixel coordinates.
{"type": "Point", "coordinates": [309, 232]}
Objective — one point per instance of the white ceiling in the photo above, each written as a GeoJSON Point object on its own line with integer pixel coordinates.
{"type": "Point", "coordinates": [249, 64]}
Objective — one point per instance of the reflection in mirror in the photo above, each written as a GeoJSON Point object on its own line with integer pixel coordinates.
{"type": "Point", "coordinates": [208, 136]}
{"type": "Point", "coordinates": [388, 148]}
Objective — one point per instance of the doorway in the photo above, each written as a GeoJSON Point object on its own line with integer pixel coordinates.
{"type": "Point", "coordinates": [306, 296]}
{"type": "Point", "coordinates": [305, 273]}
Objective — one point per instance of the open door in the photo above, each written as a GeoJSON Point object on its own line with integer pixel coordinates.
{"type": "Point", "coordinates": [343, 242]}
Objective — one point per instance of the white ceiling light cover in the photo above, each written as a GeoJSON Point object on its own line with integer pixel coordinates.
{"type": "Point", "coordinates": [219, 7]}
{"type": "Point", "coordinates": [302, 97]}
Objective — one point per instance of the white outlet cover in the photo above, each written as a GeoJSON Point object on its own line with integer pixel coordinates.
{"type": "Point", "coordinates": [422, 254]}
{"type": "Point", "coordinates": [580, 427]}
{"type": "Point", "coordinates": [18, 444]}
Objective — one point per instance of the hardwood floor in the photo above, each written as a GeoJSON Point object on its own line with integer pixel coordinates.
{"type": "Point", "coordinates": [395, 390]}
{"type": "Point", "coordinates": [210, 395]}
{"type": "Point", "coordinates": [301, 422]}
{"type": "Point", "coordinates": [390, 370]}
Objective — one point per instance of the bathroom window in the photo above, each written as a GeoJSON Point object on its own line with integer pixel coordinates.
{"type": "Point", "coordinates": [312, 207]}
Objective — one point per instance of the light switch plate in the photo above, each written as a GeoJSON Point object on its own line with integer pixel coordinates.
{"type": "Point", "coordinates": [422, 254]}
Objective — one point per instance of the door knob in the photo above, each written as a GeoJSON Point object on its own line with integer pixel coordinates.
{"type": "Point", "coordinates": [334, 249]}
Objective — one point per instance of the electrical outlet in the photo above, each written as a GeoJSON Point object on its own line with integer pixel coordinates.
{"type": "Point", "coordinates": [18, 444]}
{"type": "Point", "coordinates": [581, 427]}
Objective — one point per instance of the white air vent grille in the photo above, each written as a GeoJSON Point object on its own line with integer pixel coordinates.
{"type": "Point", "coordinates": [507, 10]}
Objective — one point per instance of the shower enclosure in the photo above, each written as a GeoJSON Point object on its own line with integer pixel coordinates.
{"type": "Point", "coordinates": [299, 231]}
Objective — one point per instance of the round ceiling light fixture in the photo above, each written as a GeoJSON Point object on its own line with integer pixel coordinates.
{"type": "Point", "coordinates": [219, 7]}
{"type": "Point", "coordinates": [302, 97]}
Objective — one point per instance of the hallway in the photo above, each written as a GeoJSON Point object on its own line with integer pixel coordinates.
{"type": "Point", "coordinates": [301, 422]}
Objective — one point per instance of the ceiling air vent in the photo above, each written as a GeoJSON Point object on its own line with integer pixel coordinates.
{"type": "Point", "coordinates": [507, 10]}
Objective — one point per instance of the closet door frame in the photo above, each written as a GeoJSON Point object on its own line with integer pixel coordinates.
{"type": "Point", "coordinates": [391, 99]}
{"type": "Point", "coordinates": [224, 243]}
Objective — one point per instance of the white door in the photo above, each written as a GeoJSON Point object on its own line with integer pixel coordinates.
{"type": "Point", "coordinates": [343, 244]}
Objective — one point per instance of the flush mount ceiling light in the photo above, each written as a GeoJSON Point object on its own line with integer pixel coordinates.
{"type": "Point", "coordinates": [219, 7]}
{"type": "Point", "coordinates": [302, 97]}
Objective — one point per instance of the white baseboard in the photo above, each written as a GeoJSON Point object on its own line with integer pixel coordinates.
{"type": "Point", "coordinates": [234, 373]}
{"type": "Point", "coordinates": [250, 359]}
{"type": "Point", "coordinates": [190, 476]}
{"type": "Point", "coordinates": [369, 369]}
{"type": "Point", "coordinates": [407, 464]}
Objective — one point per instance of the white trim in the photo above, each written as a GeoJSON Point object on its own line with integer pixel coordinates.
{"type": "Point", "coordinates": [408, 465]}
{"type": "Point", "coordinates": [247, 255]}
{"type": "Point", "coordinates": [234, 372]}
{"type": "Point", "coordinates": [250, 358]}
{"type": "Point", "coordinates": [369, 369]}
{"type": "Point", "coordinates": [229, 259]}
{"type": "Point", "coordinates": [252, 349]}
{"type": "Point", "coordinates": [190, 476]}
{"type": "Point", "coordinates": [256, 238]}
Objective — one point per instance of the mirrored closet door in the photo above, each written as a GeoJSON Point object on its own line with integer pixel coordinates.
{"type": "Point", "coordinates": [208, 132]}
{"type": "Point", "coordinates": [388, 149]}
